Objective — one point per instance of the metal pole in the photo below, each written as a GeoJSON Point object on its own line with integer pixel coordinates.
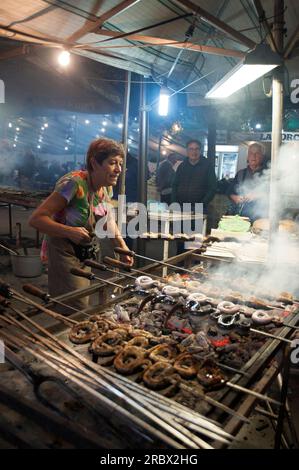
{"type": "Point", "coordinates": [142, 160]}
{"type": "Point", "coordinates": [283, 397]}
{"type": "Point", "coordinates": [75, 140]}
{"type": "Point", "coordinates": [211, 136]}
{"type": "Point", "coordinates": [277, 112]}
{"type": "Point", "coordinates": [125, 131]}
{"type": "Point", "coordinates": [122, 183]}
{"type": "Point", "coordinates": [159, 153]}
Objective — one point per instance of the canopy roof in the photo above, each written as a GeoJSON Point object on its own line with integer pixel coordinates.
{"type": "Point", "coordinates": [153, 37]}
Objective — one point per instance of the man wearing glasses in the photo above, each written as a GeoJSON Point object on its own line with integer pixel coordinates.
{"type": "Point", "coordinates": [250, 188]}
{"type": "Point", "coordinates": [195, 179]}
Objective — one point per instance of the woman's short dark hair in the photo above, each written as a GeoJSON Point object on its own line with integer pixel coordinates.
{"type": "Point", "coordinates": [102, 148]}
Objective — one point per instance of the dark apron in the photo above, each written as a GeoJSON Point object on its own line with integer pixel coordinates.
{"type": "Point", "coordinates": [63, 255]}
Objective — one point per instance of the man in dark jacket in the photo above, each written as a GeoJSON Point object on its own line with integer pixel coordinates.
{"type": "Point", "coordinates": [165, 176]}
{"type": "Point", "coordinates": [131, 181]}
{"type": "Point", "coordinates": [195, 180]}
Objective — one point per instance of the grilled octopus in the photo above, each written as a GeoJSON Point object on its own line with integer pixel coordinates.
{"type": "Point", "coordinates": [158, 375]}
{"type": "Point", "coordinates": [130, 359]}
{"type": "Point", "coordinates": [163, 353]}
{"type": "Point", "coordinates": [83, 332]}
{"type": "Point", "coordinates": [109, 343]}
{"type": "Point", "coordinates": [185, 366]}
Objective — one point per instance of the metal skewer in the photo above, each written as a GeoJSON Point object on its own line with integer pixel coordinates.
{"type": "Point", "coordinates": [119, 391]}
{"type": "Point", "coordinates": [13, 252]}
{"type": "Point", "coordinates": [126, 267]}
{"type": "Point", "coordinates": [269, 335]}
{"type": "Point", "coordinates": [213, 402]}
{"type": "Point", "coordinates": [122, 251]}
{"type": "Point", "coordinates": [253, 393]}
{"type": "Point", "coordinates": [9, 292]}
{"type": "Point", "coordinates": [293, 327]}
{"type": "Point", "coordinates": [41, 294]}
{"type": "Point", "coordinates": [81, 273]}
{"type": "Point", "coordinates": [103, 267]}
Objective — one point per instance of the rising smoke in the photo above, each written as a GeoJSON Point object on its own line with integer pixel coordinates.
{"type": "Point", "coordinates": [280, 272]}
{"type": "Point", "coordinates": [8, 160]}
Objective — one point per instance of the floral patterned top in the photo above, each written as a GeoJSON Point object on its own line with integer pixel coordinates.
{"type": "Point", "coordinates": [74, 188]}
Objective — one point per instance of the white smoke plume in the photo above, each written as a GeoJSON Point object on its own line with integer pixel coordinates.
{"type": "Point", "coordinates": [280, 271]}
{"type": "Point", "coordinates": [8, 161]}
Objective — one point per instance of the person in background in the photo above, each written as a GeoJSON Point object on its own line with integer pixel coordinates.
{"type": "Point", "coordinates": [68, 217]}
{"type": "Point", "coordinates": [195, 179]}
{"type": "Point", "coordinates": [131, 183]}
{"type": "Point", "coordinates": [194, 182]}
{"type": "Point", "coordinates": [165, 176]}
{"type": "Point", "coordinates": [249, 189]}
{"type": "Point", "coordinates": [131, 187]}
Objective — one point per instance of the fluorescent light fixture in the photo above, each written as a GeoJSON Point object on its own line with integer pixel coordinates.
{"type": "Point", "coordinates": [163, 101]}
{"type": "Point", "coordinates": [255, 64]}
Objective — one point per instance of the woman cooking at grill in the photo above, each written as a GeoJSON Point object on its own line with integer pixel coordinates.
{"type": "Point", "coordinates": [68, 217]}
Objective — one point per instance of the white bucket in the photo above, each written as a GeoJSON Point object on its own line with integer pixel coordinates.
{"type": "Point", "coordinates": [26, 265]}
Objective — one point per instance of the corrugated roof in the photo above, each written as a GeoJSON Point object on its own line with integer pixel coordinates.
{"type": "Point", "coordinates": [87, 27]}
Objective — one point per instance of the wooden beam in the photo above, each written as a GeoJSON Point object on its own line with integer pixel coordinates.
{"type": "Point", "coordinates": [16, 35]}
{"type": "Point", "coordinates": [291, 43]}
{"type": "Point", "coordinates": [154, 41]}
{"type": "Point", "coordinates": [92, 26]}
{"type": "Point", "coordinates": [211, 19]}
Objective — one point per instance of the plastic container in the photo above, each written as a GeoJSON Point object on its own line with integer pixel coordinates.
{"type": "Point", "coordinates": [26, 265]}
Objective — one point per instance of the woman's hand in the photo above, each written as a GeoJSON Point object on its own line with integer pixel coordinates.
{"type": "Point", "coordinates": [79, 235]}
{"type": "Point", "coordinates": [127, 259]}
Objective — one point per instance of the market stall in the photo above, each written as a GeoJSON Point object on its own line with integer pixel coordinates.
{"type": "Point", "coordinates": [180, 361]}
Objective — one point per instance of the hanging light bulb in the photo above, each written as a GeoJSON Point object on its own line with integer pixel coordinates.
{"type": "Point", "coordinates": [64, 58]}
